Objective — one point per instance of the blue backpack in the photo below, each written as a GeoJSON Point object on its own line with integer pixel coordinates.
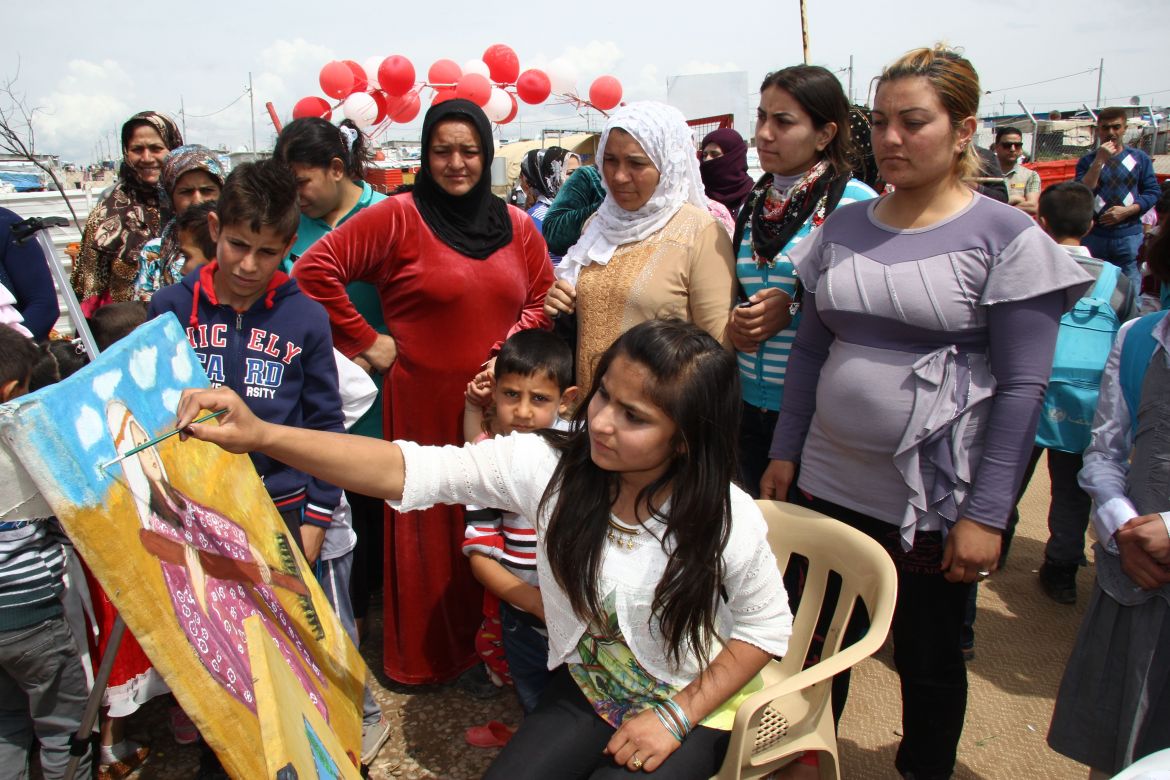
{"type": "Point", "coordinates": [1083, 343]}
{"type": "Point", "coordinates": [1136, 353]}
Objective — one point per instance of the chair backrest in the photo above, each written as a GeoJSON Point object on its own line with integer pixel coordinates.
{"type": "Point", "coordinates": [867, 574]}
{"type": "Point", "coordinates": [792, 713]}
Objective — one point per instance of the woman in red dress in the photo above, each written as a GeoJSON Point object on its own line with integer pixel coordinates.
{"type": "Point", "coordinates": [457, 270]}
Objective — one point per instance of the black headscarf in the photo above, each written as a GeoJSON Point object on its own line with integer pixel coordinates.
{"type": "Point", "coordinates": [725, 178]}
{"type": "Point", "coordinates": [475, 224]}
{"type": "Point", "coordinates": [543, 168]}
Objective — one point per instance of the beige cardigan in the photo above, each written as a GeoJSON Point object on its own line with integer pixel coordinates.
{"type": "Point", "coordinates": [685, 270]}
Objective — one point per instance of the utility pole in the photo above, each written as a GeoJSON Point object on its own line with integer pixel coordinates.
{"type": "Point", "coordinates": [252, 111]}
{"type": "Point", "coordinates": [183, 116]}
{"type": "Point", "coordinates": [804, 30]}
{"type": "Point", "coordinates": [1100, 74]}
{"type": "Point", "coordinates": [850, 78]}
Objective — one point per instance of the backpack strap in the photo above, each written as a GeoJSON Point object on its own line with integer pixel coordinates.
{"type": "Point", "coordinates": [1136, 353]}
{"type": "Point", "coordinates": [1106, 282]}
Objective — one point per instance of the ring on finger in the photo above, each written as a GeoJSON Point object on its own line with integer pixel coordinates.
{"type": "Point", "coordinates": [636, 762]}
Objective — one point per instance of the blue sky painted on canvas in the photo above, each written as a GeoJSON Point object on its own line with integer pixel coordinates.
{"type": "Point", "coordinates": [62, 429]}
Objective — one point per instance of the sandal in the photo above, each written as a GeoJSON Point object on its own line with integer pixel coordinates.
{"type": "Point", "coordinates": [118, 770]}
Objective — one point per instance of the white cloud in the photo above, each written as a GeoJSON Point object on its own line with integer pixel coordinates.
{"type": "Point", "coordinates": [143, 367]}
{"type": "Point", "coordinates": [90, 428]}
{"type": "Point", "coordinates": [593, 59]}
{"type": "Point", "coordinates": [181, 363]}
{"type": "Point", "coordinates": [105, 384]}
{"type": "Point", "coordinates": [170, 398]}
{"type": "Point", "coordinates": [702, 66]}
{"type": "Point", "coordinates": [88, 100]}
{"type": "Point", "coordinates": [285, 58]}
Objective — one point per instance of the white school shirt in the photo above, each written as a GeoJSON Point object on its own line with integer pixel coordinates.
{"type": "Point", "coordinates": [1106, 464]}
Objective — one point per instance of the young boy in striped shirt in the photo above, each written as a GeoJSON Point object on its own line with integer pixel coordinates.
{"type": "Point", "coordinates": [531, 389]}
{"type": "Point", "coordinates": [42, 682]}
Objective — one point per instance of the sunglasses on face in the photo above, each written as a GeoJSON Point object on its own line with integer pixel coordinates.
{"type": "Point", "coordinates": [1011, 144]}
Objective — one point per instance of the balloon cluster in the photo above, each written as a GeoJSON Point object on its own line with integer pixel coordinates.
{"type": "Point", "coordinates": [382, 91]}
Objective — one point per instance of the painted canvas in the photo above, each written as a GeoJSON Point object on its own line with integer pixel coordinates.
{"type": "Point", "coordinates": [187, 543]}
{"type": "Point", "coordinates": [288, 719]}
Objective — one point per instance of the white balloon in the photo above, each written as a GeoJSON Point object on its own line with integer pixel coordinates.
{"type": "Point", "coordinates": [477, 66]}
{"type": "Point", "coordinates": [370, 66]}
{"type": "Point", "coordinates": [563, 77]}
{"type": "Point", "coordinates": [361, 108]}
{"type": "Point", "coordinates": [499, 105]}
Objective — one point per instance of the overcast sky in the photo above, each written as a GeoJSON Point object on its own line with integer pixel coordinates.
{"type": "Point", "coordinates": [88, 66]}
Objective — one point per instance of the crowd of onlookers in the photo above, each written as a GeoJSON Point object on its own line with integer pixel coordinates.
{"type": "Point", "coordinates": [890, 327]}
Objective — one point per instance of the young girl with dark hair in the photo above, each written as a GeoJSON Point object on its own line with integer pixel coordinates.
{"type": "Point", "coordinates": [329, 162]}
{"type": "Point", "coordinates": [662, 598]}
{"type": "Point", "coordinates": [803, 138]}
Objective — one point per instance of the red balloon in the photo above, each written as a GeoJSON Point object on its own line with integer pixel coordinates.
{"type": "Point", "coordinates": [405, 108]}
{"type": "Point", "coordinates": [533, 86]}
{"type": "Point", "coordinates": [502, 63]}
{"type": "Point", "coordinates": [444, 72]}
{"type": "Point", "coordinates": [511, 114]}
{"type": "Point", "coordinates": [382, 100]}
{"type": "Point", "coordinates": [360, 80]}
{"type": "Point", "coordinates": [605, 92]}
{"type": "Point", "coordinates": [312, 106]}
{"type": "Point", "coordinates": [336, 80]}
{"type": "Point", "coordinates": [396, 75]}
{"type": "Point", "coordinates": [442, 94]}
{"type": "Point", "coordinates": [475, 88]}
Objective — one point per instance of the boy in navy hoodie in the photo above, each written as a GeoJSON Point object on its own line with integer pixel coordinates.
{"type": "Point", "coordinates": [255, 332]}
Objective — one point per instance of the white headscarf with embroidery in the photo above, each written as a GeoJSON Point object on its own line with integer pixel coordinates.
{"type": "Point", "coordinates": [664, 135]}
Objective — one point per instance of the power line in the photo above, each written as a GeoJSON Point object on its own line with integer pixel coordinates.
{"type": "Point", "coordinates": [1103, 100]}
{"type": "Point", "coordinates": [1045, 81]}
{"type": "Point", "coordinates": [220, 111]}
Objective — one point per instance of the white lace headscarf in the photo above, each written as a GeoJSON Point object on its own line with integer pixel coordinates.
{"type": "Point", "coordinates": [664, 135]}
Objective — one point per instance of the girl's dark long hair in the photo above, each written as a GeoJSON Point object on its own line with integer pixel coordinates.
{"type": "Point", "coordinates": [696, 383]}
{"type": "Point", "coordinates": [315, 141]}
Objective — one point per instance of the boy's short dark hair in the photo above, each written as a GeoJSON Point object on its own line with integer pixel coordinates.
{"type": "Point", "coordinates": [115, 321]}
{"type": "Point", "coordinates": [1067, 209]}
{"type": "Point", "coordinates": [261, 194]}
{"type": "Point", "coordinates": [1111, 113]}
{"type": "Point", "coordinates": [18, 356]}
{"type": "Point", "coordinates": [194, 221]}
{"type": "Point", "coordinates": [530, 351]}
{"type": "Point", "coordinates": [1002, 131]}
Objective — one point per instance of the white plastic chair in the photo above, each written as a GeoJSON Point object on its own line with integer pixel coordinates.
{"type": "Point", "coordinates": [793, 712]}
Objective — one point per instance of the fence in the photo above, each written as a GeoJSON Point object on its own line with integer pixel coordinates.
{"type": "Point", "coordinates": [1065, 139]}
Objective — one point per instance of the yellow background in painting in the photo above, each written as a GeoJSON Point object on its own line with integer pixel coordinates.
{"type": "Point", "coordinates": [107, 537]}
{"type": "Point", "coordinates": [283, 708]}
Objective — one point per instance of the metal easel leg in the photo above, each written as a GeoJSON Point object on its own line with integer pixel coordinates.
{"type": "Point", "coordinates": [79, 744]}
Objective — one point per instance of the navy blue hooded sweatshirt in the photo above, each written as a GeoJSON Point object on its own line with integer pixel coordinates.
{"type": "Point", "coordinates": [278, 356]}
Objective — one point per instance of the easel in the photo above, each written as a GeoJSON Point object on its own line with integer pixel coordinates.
{"type": "Point", "coordinates": [22, 232]}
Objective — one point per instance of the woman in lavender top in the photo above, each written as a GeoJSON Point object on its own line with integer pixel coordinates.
{"type": "Point", "coordinates": [917, 374]}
